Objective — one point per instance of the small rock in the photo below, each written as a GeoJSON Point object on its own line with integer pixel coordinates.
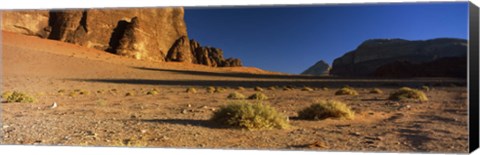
{"type": "Point", "coordinates": [5, 126]}
{"type": "Point", "coordinates": [205, 107]}
{"type": "Point", "coordinates": [143, 131]}
{"type": "Point", "coordinates": [371, 113]}
{"type": "Point", "coordinates": [213, 109]}
{"type": "Point", "coordinates": [189, 105]}
{"type": "Point", "coordinates": [184, 111]}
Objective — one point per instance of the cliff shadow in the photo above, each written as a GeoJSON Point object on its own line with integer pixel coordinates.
{"type": "Point", "coordinates": [251, 83]}
{"type": "Point", "coordinates": [238, 75]}
{"type": "Point", "coordinates": [185, 122]}
{"type": "Point", "coordinates": [116, 36]}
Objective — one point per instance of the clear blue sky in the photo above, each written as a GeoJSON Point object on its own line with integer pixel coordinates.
{"type": "Point", "coordinates": [292, 38]}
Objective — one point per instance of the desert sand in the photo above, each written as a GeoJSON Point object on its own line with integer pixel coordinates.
{"type": "Point", "coordinates": [105, 116]}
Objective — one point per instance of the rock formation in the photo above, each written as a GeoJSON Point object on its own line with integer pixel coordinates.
{"type": "Point", "coordinates": [157, 34]}
{"type": "Point", "coordinates": [198, 54]}
{"type": "Point", "coordinates": [373, 54]}
{"type": "Point", "coordinates": [321, 68]}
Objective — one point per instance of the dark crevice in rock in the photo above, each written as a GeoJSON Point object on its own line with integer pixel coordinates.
{"type": "Point", "coordinates": [116, 36]}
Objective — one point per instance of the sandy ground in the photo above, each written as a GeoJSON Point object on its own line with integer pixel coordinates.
{"type": "Point", "coordinates": [105, 116]}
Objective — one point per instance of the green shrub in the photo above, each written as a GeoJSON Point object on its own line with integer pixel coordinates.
{"type": "Point", "coordinates": [258, 88]}
{"type": "Point", "coordinates": [376, 91]}
{"type": "Point", "coordinates": [326, 109]}
{"type": "Point", "coordinates": [250, 116]}
{"type": "Point", "coordinates": [406, 93]}
{"type": "Point", "coordinates": [18, 97]}
{"type": "Point", "coordinates": [346, 91]}
{"type": "Point", "coordinates": [236, 96]}
{"type": "Point", "coordinates": [258, 96]}
{"type": "Point", "coordinates": [191, 90]}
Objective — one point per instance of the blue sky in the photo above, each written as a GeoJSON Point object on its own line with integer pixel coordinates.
{"type": "Point", "coordinates": [292, 38]}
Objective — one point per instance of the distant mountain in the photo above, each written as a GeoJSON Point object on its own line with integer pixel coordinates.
{"type": "Point", "coordinates": [404, 58]}
{"type": "Point", "coordinates": [321, 68]}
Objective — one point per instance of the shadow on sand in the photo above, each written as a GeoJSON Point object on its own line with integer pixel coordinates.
{"type": "Point", "coordinates": [331, 83]}
{"type": "Point", "coordinates": [185, 122]}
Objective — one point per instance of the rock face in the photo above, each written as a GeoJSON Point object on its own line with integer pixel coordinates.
{"type": "Point", "coordinates": [27, 22]}
{"type": "Point", "coordinates": [198, 54]}
{"type": "Point", "coordinates": [157, 34]}
{"type": "Point", "coordinates": [321, 68]}
{"type": "Point", "coordinates": [373, 54]}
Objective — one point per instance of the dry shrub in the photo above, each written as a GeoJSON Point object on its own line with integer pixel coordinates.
{"type": "Point", "coordinates": [406, 93]}
{"type": "Point", "coordinates": [327, 109]}
{"type": "Point", "coordinates": [191, 90]}
{"type": "Point", "coordinates": [152, 92]}
{"type": "Point", "coordinates": [376, 91]}
{"type": "Point", "coordinates": [346, 91]}
{"type": "Point", "coordinates": [258, 88]}
{"type": "Point", "coordinates": [16, 96]}
{"type": "Point", "coordinates": [236, 96]}
{"type": "Point", "coordinates": [258, 96]}
{"type": "Point", "coordinates": [249, 116]}
{"type": "Point", "coordinates": [307, 89]}
{"type": "Point", "coordinates": [210, 89]}
{"type": "Point", "coordinates": [241, 88]}
{"type": "Point", "coordinates": [219, 90]}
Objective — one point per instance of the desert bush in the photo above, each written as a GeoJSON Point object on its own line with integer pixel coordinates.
{"type": "Point", "coordinates": [250, 116]}
{"type": "Point", "coordinates": [236, 96]}
{"type": "Point", "coordinates": [100, 91]}
{"type": "Point", "coordinates": [191, 90]}
{"type": "Point", "coordinates": [376, 91]}
{"type": "Point", "coordinates": [241, 88]}
{"type": "Point", "coordinates": [219, 90]}
{"type": "Point", "coordinates": [16, 96]}
{"type": "Point", "coordinates": [152, 92]}
{"type": "Point", "coordinates": [6, 94]}
{"type": "Point", "coordinates": [326, 109]}
{"type": "Point", "coordinates": [307, 89]}
{"type": "Point", "coordinates": [84, 92]}
{"type": "Point", "coordinates": [129, 94]}
{"type": "Point", "coordinates": [258, 96]}
{"type": "Point", "coordinates": [406, 93]}
{"type": "Point", "coordinates": [346, 91]}
{"type": "Point", "coordinates": [426, 88]}
{"type": "Point", "coordinates": [286, 88]}
{"type": "Point", "coordinates": [210, 89]}
{"type": "Point", "coordinates": [257, 88]}
{"type": "Point", "coordinates": [271, 88]}
{"type": "Point", "coordinates": [133, 142]}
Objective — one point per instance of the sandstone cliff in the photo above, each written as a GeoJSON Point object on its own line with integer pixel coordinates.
{"type": "Point", "coordinates": [157, 34]}
{"type": "Point", "coordinates": [373, 54]}
{"type": "Point", "coordinates": [321, 68]}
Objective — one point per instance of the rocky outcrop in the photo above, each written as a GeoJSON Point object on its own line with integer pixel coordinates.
{"type": "Point", "coordinates": [198, 54]}
{"type": "Point", "coordinates": [181, 51]}
{"type": "Point", "coordinates": [373, 54]}
{"type": "Point", "coordinates": [157, 34]}
{"type": "Point", "coordinates": [34, 23]}
{"type": "Point", "coordinates": [321, 68]}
